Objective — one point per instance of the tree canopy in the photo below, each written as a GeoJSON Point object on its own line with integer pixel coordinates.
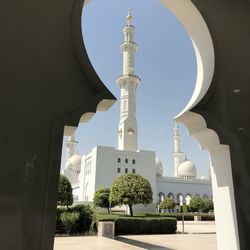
{"type": "Point", "coordinates": [101, 198]}
{"type": "Point", "coordinates": [131, 189]}
{"type": "Point", "coordinates": [65, 196]}
{"type": "Point", "coordinates": [196, 204]}
{"type": "Point", "coordinates": [208, 205]}
{"type": "Point", "coordinates": [168, 203]}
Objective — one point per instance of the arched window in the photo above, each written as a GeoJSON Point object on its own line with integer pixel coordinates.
{"type": "Point", "coordinates": [126, 170]}
{"type": "Point", "coordinates": [133, 161]}
{"type": "Point", "coordinates": [188, 198]}
{"type": "Point", "coordinates": [119, 160]}
{"type": "Point", "coordinates": [180, 199]}
{"type": "Point", "coordinates": [161, 197]}
{"type": "Point", "coordinates": [126, 160]}
{"type": "Point", "coordinates": [133, 171]}
{"type": "Point", "coordinates": [170, 195]}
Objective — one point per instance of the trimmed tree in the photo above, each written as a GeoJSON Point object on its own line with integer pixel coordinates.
{"type": "Point", "coordinates": [196, 204]}
{"type": "Point", "coordinates": [101, 198]}
{"type": "Point", "coordinates": [131, 189]}
{"type": "Point", "coordinates": [65, 196]}
{"type": "Point", "coordinates": [168, 203]}
{"type": "Point", "coordinates": [208, 205]}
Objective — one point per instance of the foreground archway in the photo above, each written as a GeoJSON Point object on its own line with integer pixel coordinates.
{"type": "Point", "coordinates": [30, 50]}
{"type": "Point", "coordinates": [42, 60]}
{"type": "Point", "coordinates": [216, 120]}
{"type": "Point", "coordinates": [189, 15]}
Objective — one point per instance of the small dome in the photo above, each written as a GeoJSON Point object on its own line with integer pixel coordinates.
{"type": "Point", "coordinates": [187, 169]}
{"type": "Point", "coordinates": [74, 162]}
{"type": "Point", "coordinates": [159, 167]}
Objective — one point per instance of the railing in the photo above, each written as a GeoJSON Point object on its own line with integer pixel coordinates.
{"type": "Point", "coordinates": [183, 179]}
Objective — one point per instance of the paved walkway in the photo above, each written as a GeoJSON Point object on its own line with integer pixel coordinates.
{"type": "Point", "coordinates": [200, 227]}
{"type": "Point", "coordinates": [197, 236]}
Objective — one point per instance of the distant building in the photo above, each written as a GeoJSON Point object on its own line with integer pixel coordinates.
{"type": "Point", "coordinates": [103, 164]}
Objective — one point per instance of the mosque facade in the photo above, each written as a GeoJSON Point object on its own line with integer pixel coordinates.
{"type": "Point", "coordinates": [103, 164]}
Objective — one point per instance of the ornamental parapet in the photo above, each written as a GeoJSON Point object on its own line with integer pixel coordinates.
{"type": "Point", "coordinates": [183, 180]}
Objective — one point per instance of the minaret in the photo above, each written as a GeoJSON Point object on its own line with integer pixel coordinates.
{"type": "Point", "coordinates": [70, 147]}
{"type": "Point", "coordinates": [128, 83]}
{"type": "Point", "coordinates": [177, 154]}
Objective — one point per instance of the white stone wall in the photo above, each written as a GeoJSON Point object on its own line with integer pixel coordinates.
{"type": "Point", "coordinates": [104, 164]}
{"type": "Point", "coordinates": [87, 176]}
{"type": "Point", "coordinates": [146, 168]}
{"type": "Point", "coordinates": [105, 167]}
{"type": "Point", "coordinates": [177, 186]}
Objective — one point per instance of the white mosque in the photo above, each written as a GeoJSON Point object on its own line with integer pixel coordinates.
{"type": "Point", "coordinates": [103, 164]}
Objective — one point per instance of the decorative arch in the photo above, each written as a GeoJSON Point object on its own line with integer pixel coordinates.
{"type": "Point", "coordinates": [161, 197]}
{"type": "Point", "coordinates": [170, 195]}
{"type": "Point", "coordinates": [188, 198]}
{"type": "Point", "coordinates": [221, 175]}
{"type": "Point", "coordinates": [193, 22]}
{"type": "Point", "coordinates": [180, 199]}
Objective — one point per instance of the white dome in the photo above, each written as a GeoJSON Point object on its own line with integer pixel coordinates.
{"type": "Point", "coordinates": [74, 161]}
{"type": "Point", "coordinates": [159, 167]}
{"type": "Point", "coordinates": [187, 169]}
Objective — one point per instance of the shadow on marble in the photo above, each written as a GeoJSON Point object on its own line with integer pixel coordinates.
{"type": "Point", "coordinates": [141, 244]}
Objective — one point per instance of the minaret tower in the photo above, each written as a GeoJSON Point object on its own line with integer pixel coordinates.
{"type": "Point", "coordinates": [177, 154]}
{"type": "Point", "coordinates": [70, 147]}
{"type": "Point", "coordinates": [128, 83]}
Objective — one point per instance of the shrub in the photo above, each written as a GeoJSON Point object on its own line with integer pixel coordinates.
{"type": "Point", "coordinates": [85, 218]}
{"type": "Point", "coordinates": [81, 225]}
{"type": "Point", "coordinates": [107, 217]}
{"type": "Point", "coordinates": [135, 225]}
{"type": "Point", "coordinates": [125, 224]}
{"type": "Point", "coordinates": [178, 216]}
{"type": "Point", "coordinates": [149, 214]}
{"type": "Point", "coordinates": [69, 219]}
{"type": "Point", "coordinates": [207, 217]}
{"type": "Point", "coordinates": [138, 224]}
{"type": "Point", "coordinates": [59, 225]}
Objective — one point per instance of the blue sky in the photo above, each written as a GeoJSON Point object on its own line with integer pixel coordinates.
{"type": "Point", "coordinates": [165, 62]}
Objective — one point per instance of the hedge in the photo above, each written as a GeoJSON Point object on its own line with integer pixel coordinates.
{"type": "Point", "coordinates": [139, 224]}
{"type": "Point", "coordinates": [108, 217]}
{"type": "Point", "coordinates": [178, 216]}
{"type": "Point", "coordinates": [130, 225]}
{"type": "Point", "coordinates": [82, 224]}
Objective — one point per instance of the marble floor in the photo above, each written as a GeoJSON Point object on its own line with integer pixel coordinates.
{"type": "Point", "coordinates": [197, 236]}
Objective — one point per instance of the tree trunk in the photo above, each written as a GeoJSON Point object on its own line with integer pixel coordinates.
{"type": "Point", "coordinates": [130, 210]}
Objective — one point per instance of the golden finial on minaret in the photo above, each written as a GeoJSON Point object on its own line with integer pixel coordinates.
{"type": "Point", "coordinates": [129, 17]}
